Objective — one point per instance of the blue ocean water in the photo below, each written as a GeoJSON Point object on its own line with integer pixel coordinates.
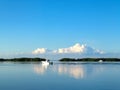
{"type": "Point", "coordinates": [59, 76]}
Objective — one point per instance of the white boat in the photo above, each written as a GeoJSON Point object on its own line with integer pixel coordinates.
{"type": "Point", "coordinates": [45, 62]}
{"type": "Point", "coordinates": [100, 61]}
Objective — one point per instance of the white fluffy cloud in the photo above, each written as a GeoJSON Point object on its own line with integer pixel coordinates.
{"type": "Point", "coordinates": [39, 51]}
{"type": "Point", "coordinates": [77, 48]}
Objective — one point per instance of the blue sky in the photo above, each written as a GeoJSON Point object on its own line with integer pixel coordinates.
{"type": "Point", "coordinates": [29, 24]}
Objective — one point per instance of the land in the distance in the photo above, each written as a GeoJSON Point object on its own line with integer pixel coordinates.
{"type": "Point", "coordinates": [90, 59]}
{"type": "Point", "coordinates": [64, 59]}
{"type": "Point", "coordinates": [23, 59]}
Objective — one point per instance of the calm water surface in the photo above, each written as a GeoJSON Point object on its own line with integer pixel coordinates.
{"type": "Point", "coordinates": [60, 76]}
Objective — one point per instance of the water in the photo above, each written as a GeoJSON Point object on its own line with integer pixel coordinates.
{"type": "Point", "coordinates": [60, 76]}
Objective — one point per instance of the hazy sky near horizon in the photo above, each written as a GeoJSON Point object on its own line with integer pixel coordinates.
{"type": "Point", "coordinates": [29, 24]}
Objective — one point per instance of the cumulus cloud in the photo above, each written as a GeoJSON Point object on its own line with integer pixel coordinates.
{"type": "Point", "coordinates": [77, 48]}
{"type": "Point", "coordinates": [39, 51]}
{"type": "Point", "coordinates": [91, 50]}
{"type": "Point", "coordinates": [80, 49]}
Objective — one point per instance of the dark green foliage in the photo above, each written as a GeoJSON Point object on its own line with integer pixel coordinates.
{"type": "Point", "coordinates": [91, 59]}
{"type": "Point", "coordinates": [2, 59]}
{"type": "Point", "coordinates": [67, 59]}
{"type": "Point", "coordinates": [24, 59]}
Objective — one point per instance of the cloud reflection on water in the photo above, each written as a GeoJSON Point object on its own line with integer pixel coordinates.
{"type": "Point", "coordinates": [71, 70]}
{"type": "Point", "coordinates": [40, 69]}
{"type": "Point", "coordinates": [78, 71]}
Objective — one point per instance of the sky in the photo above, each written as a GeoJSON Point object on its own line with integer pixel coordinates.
{"type": "Point", "coordinates": [29, 25]}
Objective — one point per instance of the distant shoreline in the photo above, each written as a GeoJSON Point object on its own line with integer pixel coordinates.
{"type": "Point", "coordinates": [90, 59]}
{"type": "Point", "coordinates": [23, 59]}
{"type": "Point", "coordinates": [63, 59]}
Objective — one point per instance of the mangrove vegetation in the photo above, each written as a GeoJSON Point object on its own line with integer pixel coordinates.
{"type": "Point", "coordinates": [90, 59]}
{"type": "Point", "coordinates": [23, 59]}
